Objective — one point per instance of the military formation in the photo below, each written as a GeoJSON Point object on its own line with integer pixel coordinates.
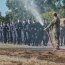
{"type": "Point", "coordinates": [26, 32]}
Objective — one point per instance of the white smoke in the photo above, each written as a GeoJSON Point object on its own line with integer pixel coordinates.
{"type": "Point", "coordinates": [32, 8]}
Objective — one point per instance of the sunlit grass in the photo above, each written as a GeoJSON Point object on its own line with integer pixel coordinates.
{"type": "Point", "coordinates": [29, 57]}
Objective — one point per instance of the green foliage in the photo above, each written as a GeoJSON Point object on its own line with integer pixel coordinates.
{"type": "Point", "coordinates": [17, 11]}
{"type": "Point", "coordinates": [46, 8]}
{"type": "Point", "coordinates": [2, 19]}
{"type": "Point", "coordinates": [48, 16]}
{"type": "Point", "coordinates": [63, 1]}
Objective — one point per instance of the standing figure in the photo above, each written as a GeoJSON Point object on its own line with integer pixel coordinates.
{"type": "Point", "coordinates": [39, 34]}
{"type": "Point", "coordinates": [18, 29]}
{"type": "Point", "coordinates": [11, 33]}
{"type": "Point", "coordinates": [55, 29]}
{"type": "Point", "coordinates": [30, 32]}
{"type": "Point", "coordinates": [5, 32]}
{"type": "Point", "coordinates": [62, 34]}
{"type": "Point", "coordinates": [25, 29]}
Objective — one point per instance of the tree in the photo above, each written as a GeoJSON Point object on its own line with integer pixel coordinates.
{"type": "Point", "coordinates": [48, 16]}
{"type": "Point", "coordinates": [2, 19]}
{"type": "Point", "coordinates": [18, 10]}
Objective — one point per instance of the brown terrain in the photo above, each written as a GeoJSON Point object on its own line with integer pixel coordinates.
{"type": "Point", "coordinates": [10, 55]}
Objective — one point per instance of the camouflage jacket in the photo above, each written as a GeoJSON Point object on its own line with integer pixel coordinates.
{"type": "Point", "coordinates": [55, 25]}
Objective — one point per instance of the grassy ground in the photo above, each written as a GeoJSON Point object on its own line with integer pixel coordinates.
{"type": "Point", "coordinates": [19, 56]}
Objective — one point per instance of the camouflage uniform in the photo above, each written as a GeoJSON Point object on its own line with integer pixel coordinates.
{"type": "Point", "coordinates": [5, 32]}
{"type": "Point", "coordinates": [56, 30]}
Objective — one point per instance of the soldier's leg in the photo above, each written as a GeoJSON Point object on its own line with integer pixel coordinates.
{"type": "Point", "coordinates": [43, 42]}
{"type": "Point", "coordinates": [61, 39]}
{"type": "Point", "coordinates": [8, 38]}
{"type": "Point", "coordinates": [64, 39]}
{"type": "Point", "coordinates": [57, 41]}
{"type": "Point", "coordinates": [46, 41]}
{"type": "Point", "coordinates": [25, 37]}
{"type": "Point", "coordinates": [15, 37]}
{"type": "Point", "coordinates": [53, 39]}
{"type": "Point", "coordinates": [5, 37]}
{"type": "Point", "coordinates": [11, 39]}
{"type": "Point", "coordinates": [1, 37]}
{"type": "Point", "coordinates": [20, 37]}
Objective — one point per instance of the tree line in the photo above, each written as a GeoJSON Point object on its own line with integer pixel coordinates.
{"type": "Point", "coordinates": [46, 8]}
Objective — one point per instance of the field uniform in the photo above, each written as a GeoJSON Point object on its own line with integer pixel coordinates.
{"type": "Point", "coordinates": [55, 30]}
{"type": "Point", "coordinates": [5, 32]}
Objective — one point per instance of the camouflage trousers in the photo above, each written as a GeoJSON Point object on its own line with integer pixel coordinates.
{"type": "Point", "coordinates": [55, 39]}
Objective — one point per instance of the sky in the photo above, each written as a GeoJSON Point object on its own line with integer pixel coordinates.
{"type": "Point", "coordinates": [3, 7]}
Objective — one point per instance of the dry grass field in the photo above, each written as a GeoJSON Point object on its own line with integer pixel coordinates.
{"type": "Point", "coordinates": [20, 56]}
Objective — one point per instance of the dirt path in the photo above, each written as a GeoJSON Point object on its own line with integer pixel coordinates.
{"type": "Point", "coordinates": [22, 55]}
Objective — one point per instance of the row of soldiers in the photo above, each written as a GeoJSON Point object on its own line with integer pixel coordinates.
{"type": "Point", "coordinates": [27, 32]}
{"type": "Point", "coordinates": [24, 32]}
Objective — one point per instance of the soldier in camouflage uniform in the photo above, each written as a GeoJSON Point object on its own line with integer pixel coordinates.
{"type": "Point", "coordinates": [18, 29]}
{"type": "Point", "coordinates": [5, 32]}
{"type": "Point", "coordinates": [55, 29]}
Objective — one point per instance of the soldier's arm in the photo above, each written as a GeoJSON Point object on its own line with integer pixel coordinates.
{"type": "Point", "coordinates": [51, 24]}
